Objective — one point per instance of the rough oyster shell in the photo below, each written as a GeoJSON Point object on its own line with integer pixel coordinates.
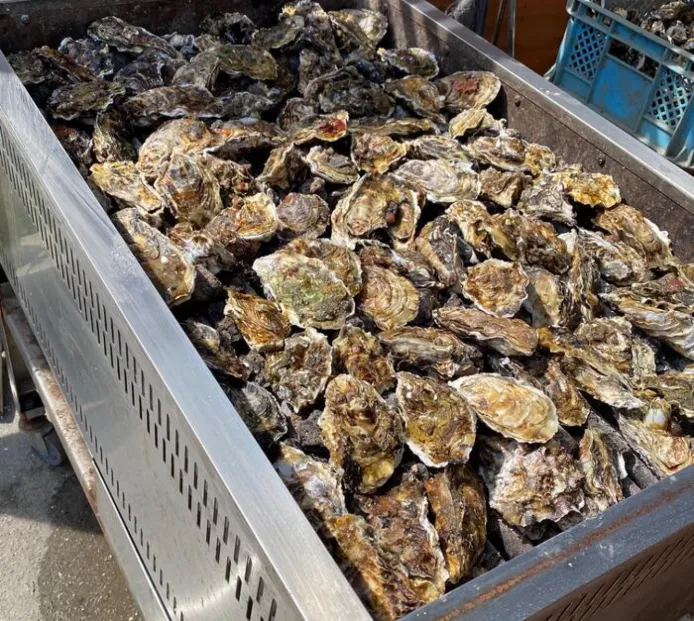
{"type": "Point", "coordinates": [29, 68]}
{"type": "Point", "coordinates": [111, 140]}
{"type": "Point", "coordinates": [144, 73]}
{"type": "Point", "coordinates": [503, 152]}
{"type": "Point", "coordinates": [441, 246]}
{"type": "Point", "coordinates": [438, 147]}
{"type": "Point", "coordinates": [157, 104]}
{"type": "Point", "coordinates": [399, 520]}
{"type": "Point", "coordinates": [572, 408]}
{"type": "Point", "coordinates": [199, 247]}
{"type": "Point", "coordinates": [234, 60]}
{"type": "Point", "coordinates": [501, 187]}
{"type": "Point", "coordinates": [234, 179]}
{"type": "Point", "coordinates": [599, 464]}
{"type": "Point", "coordinates": [468, 89]}
{"type": "Point", "coordinates": [376, 154]}
{"type": "Point", "coordinates": [546, 300]}
{"type": "Point", "coordinates": [82, 99]}
{"type": "Point", "coordinates": [401, 126]}
{"type": "Point", "coordinates": [581, 282]}
{"type": "Point", "coordinates": [405, 261]}
{"type": "Point", "coordinates": [420, 95]}
{"type": "Point", "coordinates": [496, 287]}
{"type": "Point", "coordinates": [593, 189]}
{"type": "Point", "coordinates": [511, 337]}
{"type": "Point", "coordinates": [334, 167]}
{"type": "Point", "coordinates": [280, 36]}
{"type": "Point", "coordinates": [442, 181]}
{"type": "Point", "coordinates": [302, 215]}
{"type": "Point", "coordinates": [64, 68]}
{"type": "Point", "coordinates": [254, 220]}
{"type": "Point", "coordinates": [216, 356]}
{"type": "Point", "coordinates": [128, 38]}
{"type": "Point", "coordinates": [298, 374]}
{"type": "Point", "coordinates": [260, 321]}
{"type": "Point", "coordinates": [433, 349]}
{"type": "Point", "coordinates": [313, 65]}
{"type": "Point", "coordinates": [361, 355]}
{"type": "Point", "coordinates": [76, 143]}
{"type": "Point", "coordinates": [528, 485]}
{"type": "Point", "coordinates": [360, 27]}
{"type": "Point", "coordinates": [545, 199]}
{"type": "Point", "coordinates": [617, 262]}
{"type": "Point", "coordinates": [241, 136]}
{"type": "Point", "coordinates": [323, 127]}
{"type": "Point", "coordinates": [469, 122]}
{"type": "Point", "coordinates": [297, 112]}
{"type": "Point", "coordinates": [93, 55]}
{"type": "Point", "coordinates": [282, 167]}
{"type": "Point", "coordinates": [124, 182]}
{"type": "Point", "coordinates": [363, 435]}
{"type": "Point", "coordinates": [232, 27]}
{"type": "Point", "coordinates": [513, 408]}
{"type": "Point", "coordinates": [170, 272]}
{"type": "Point", "coordinates": [317, 30]}
{"type": "Point", "coordinates": [391, 301]}
{"type": "Point", "coordinates": [309, 293]}
{"type": "Point", "coordinates": [671, 292]}
{"type": "Point", "coordinates": [261, 413]}
{"type": "Point", "coordinates": [676, 387]}
{"type": "Point", "coordinates": [539, 159]}
{"type": "Point", "coordinates": [611, 337]}
{"type": "Point", "coordinates": [439, 424]}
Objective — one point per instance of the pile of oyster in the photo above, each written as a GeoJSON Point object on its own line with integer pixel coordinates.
{"type": "Point", "coordinates": [673, 21]}
{"type": "Point", "coordinates": [451, 344]}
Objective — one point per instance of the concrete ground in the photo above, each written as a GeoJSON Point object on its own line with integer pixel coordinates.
{"type": "Point", "coordinates": [55, 564]}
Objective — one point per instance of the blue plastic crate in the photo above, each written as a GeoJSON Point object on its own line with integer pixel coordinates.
{"type": "Point", "coordinates": [655, 103]}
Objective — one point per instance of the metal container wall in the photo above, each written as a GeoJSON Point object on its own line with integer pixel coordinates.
{"type": "Point", "coordinates": [208, 526]}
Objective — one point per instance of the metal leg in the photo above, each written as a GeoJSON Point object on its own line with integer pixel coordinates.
{"type": "Point", "coordinates": [512, 28]}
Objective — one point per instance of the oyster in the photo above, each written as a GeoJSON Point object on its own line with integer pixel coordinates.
{"type": "Point", "coordinates": [323, 127]}
{"type": "Point", "coordinates": [241, 136]}
{"type": "Point", "coordinates": [391, 301]}
{"type": "Point", "coordinates": [234, 179]}
{"type": "Point", "coordinates": [260, 322]}
{"type": "Point", "coordinates": [513, 408]}
{"type": "Point", "coordinates": [297, 112]}
{"type": "Point", "coordinates": [76, 143]}
{"type": "Point", "coordinates": [232, 27]}
{"type": "Point", "coordinates": [438, 147]}
{"type": "Point", "coordinates": [312, 65]}
{"type": "Point", "coordinates": [411, 60]}
{"type": "Point", "coordinates": [111, 140]}
{"type": "Point", "coordinates": [546, 300]}
{"type": "Point", "coordinates": [671, 292]}
{"type": "Point", "coordinates": [496, 287]}
{"type": "Point", "coordinates": [406, 261]}
{"type": "Point", "coordinates": [439, 424]}
{"type": "Point", "coordinates": [317, 30]}
{"type": "Point", "coordinates": [599, 464]}
{"type": "Point", "coordinates": [363, 435]}
{"type": "Point", "coordinates": [572, 408]}
{"type": "Point", "coordinates": [504, 152]}
{"type": "Point", "coordinates": [234, 60]}
{"type": "Point", "coordinates": [170, 272]}
{"type": "Point", "coordinates": [469, 122]}
{"type": "Point", "coordinates": [401, 126]}
{"type": "Point", "coordinates": [143, 74]}
{"type": "Point", "coordinates": [63, 65]}
{"type": "Point", "coordinates": [433, 349]}
{"type": "Point", "coordinates": [442, 247]}
{"type": "Point", "coordinates": [376, 154]}
{"type": "Point", "coordinates": [539, 159]}
{"type": "Point", "coordinates": [199, 247]}
{"type": "Point", "coordinates": [282, 167]}
{"type": "Point", "coordinates": [399, 520]}
{"type": "Point", "coordinates": [158, 104]}
{"type": "Point", "coordinates": [124, 182]}
{"type": "Point", "coordinates": [617, 262]}
{"type": "Point", "coordinates": [361, 355]}
{"type": "Point", "coordinates": [592, 189]}
{"type": "Point", "coordinates": [261, 413]}
{"type": "Point", "coordinates": [93, 55]}
{"type": "Point", "coordinates": [632, 228]}
{"type": "Point", "coordinates": [676, 387]}
{"type": "Point", "coordinates": [83, 99]}
{"type": "Point", "coordinates": [511, 337]}
{"type": "Point", "coordinates": [302, 215]}
{"type": "Point", "coordinates": [610, 337]}
{"type": "Point", "coordinates": [216, 354]}
{"type": "Point", "coordinates": [442, 181]}
{"type": "Point", "coordinates": [298, 374]}
{"type": "Point", "coordinates": [544, 199]}
{"type": "Point", "coordinates": [128, 38]}
{"type": "Point", "coordinates": [457, 499]}
{"type": "Point", "coordinates": [254, 220]}
{"type": "Point", "coordinates": [29, 68]}
{"type": "Point", "coordinates": [468, 89]}
{"type": "Point", "coordinates": [581, 282]}
{"type": "Point", "coordinates": [359, 27]}
{"type": "Point", "coordinates": [527, 485]}
{"type": "Point", "coordinates": [280, 36]}
{"type": "Point", "coordinates": [309, 293]}
{"type": "Point", "coordinates": [419, 94]}
{"type": "Point", "coordinates": [501, 187]}
{"type": "Point", "coordinates": [334, 167]}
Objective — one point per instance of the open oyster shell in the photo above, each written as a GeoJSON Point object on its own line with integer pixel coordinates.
{"type": "Point", "coordinates": [361, 354]}
{"type": "Point", "coordinates": [260, 322]}
{"type": "Point", "coordinates": [439, 424]}
{"type": "Point", "coordinates": [83, 99]}
{"type": "Point", "coordinates": [376, 154]}
{"type": "Point", "coordinates": [442, 181]}
{"type": "Point", "coordinates": [496, 287]}
{"type": "Point", "coordinates": [302, 215]}
{"type": "Point", "coordinates": [298, 374]}
{"type": "Point", "coordinates": [469, 89]}
{"type": "Point", "coordinates": [260, 411]}
{"type": "Point", "coordinates": [334, 167]}
{"type": "Point", "coordinates": [592, 189]}
{"type": "Point", "coordinates": [600, 467]}
{"type": "Point", "coordinates": [514, 409]}
{"type": "Point", "coordinates": [310, 294]}
{"type": "Point", "coordinates": [362, 433]}
{"type": "Point", "coordinates": [391, 301]}
{"type": "Point", "coordinates": [124, 182]}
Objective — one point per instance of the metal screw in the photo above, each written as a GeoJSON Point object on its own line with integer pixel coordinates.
{"type": "Point", "coordinates": [601, 161]}
{"type": "Point", "coordinates": [517, 101]}
{"type": "Point", "coordinates": [24, 19]}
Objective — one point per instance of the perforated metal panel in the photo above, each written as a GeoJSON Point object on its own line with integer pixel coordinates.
{"type": "Point", "coordinates": [671, 98]}
{"type": "Point", "coordinates": [587, 51]}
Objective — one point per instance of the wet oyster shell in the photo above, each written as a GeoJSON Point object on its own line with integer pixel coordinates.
{"type": "Point", "coordinates": [261, 413]}
{"type": "Point", "coordinates": [282, 167]}
{"type": "Point", "coordinates": [592, 189]}
{"type": "Point", "coordinates": [468, 89]}
{"type": "Point", "coordinates": [504, 152]}
{"type": "Point", "coordinates": [29, 68]}
{"type": "Point", "coordinates": [280, 36]}
{"type": "Point", "coordinates": [401, 126]}
{"type": "Point", "coordinates": [496, 287]}
{"type": "Point", "coordinates": [317, 30]}
{"type": "Point", "coordinates": [361, 355]}
{"type": "Point", "coordinates": [439, 424]}
{"type": "Point", "coordinates": [216, 355]}
{"type": "Point", "coordinates": [511, 337]}
{"type": "Point", "coordinates": [527, 485]}
{"type": "Point", "coordinates": [546, 301]}
{"type": "Point", "coordinates": [199, 247]}
{"type": "Point", "coordinates": [76, 143]}
{"type": "Point", "coordinates": [234, 179]}
{"type": "Point", "coordinates": [313, 65]}
{"type": "Point", "coordinates": [442, 181]}
{"type": "Point", "coordinates": [438, 147]}
{"type": "Point", "coordinates": [128, 38]}
{"type": "Point", "coordinates": [501, 187]}
{"type": "Point", "coordinates": [95, 56]}
{"type": "Point", "coordinates": [434, 350]}
{"type": "Point", "coordinates": [170, 272]}
{"type": "Point", "coordinates": [617, 262]}
{"type": "Point", "coordinates": [144, 73]}
{"type": "Point", "coordinates": [302, 215]}
{"type": "Point", "coordinates": [238, 137]}
{"type": "Point", "coordinates": [359, 27]}
{"type": "Point", "coordinates": [376, 154]}
{"type": "Point", "coordinates": [260, 321]}
{"type": "Point", "coordinates": [63, 65]}
{"type": "Point", "coordinates": [298, 374]}
{"type": "Point", "coordinates": [323, 127]}
{"type": "Point", "coordinates": [252, 221]}
{"type": "Point", "coordinates": [441, 246]}
{"type": "Point", "coordinates": [676, 387]}
{"type": "Point", "coordinates": [334, 167]}
{"type": "Point", "coordinates": [399, 519]}
{"type": "Point", "coordinates": [411, 60]}
{"type": "Point", "coordinates": [513, 408]}
{"type": "Point", "coordinates": [545, 199]}
{"type": "Point", "coordinates": [420, 95]}
{"type": "Point", "coordinates": [469, 122]}
{"type": "Point", "coordinates": [311, 295]}
{"type": "Point", "coordinates": [363, 435]}
{"type": "Point", "coordinates": [599, 464]}
{"type": "Point", "coordinates": [391, 301]}
{"type": "Point", "coordinates": [572, 408]}
{"type": "Point", "coordinates": [83, 99]}
{"type": "Point", "coordinates": [539, 159]}
{"type": "Point", "coordinates": [157, 104]}
{"type": "Point", "coordinates": [111, 140]}
{"type": "Point", "coordinates": [407, 262]}
{"type": "Point", "coordinates": [581, 282]}
{"type": "Point", "coordinates": [670, 292]}
{"type": "Point", "coordinates": [611, 337]}
{"type": "Point", "coordinates": [124, 182]}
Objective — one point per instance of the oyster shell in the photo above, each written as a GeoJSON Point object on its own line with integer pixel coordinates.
{"type": "Point", "coordinates": [671, 292]}
{"type": "Point", "coordinates": [323, 127]}
{"type": "Point", "coordinates": [128, 38]}
{"type": "Point", "coordinates": [93, 55]}
{"type": "Point", "coordinates": [254, 220]}
{"type": "Point", "coordinates": [581, 282]}
{"type": "Point", "coordinates": [317, 30]}
{"type": "Point", "coordinates": [676, 387]}
{"type": "Point", "coordinates": [76, 143]}
{"type": "Point", "coordinates": [411, 60]}
{"type": "Point", "coordinates": [406, 261]}
{"type": "Point", "coordinates": [241, 136]}
{"type": "Point", "coordinates": [501, 187]}
{"type": "Point", "coordinates": [170, 272]}
{"type": "Point", "coordinates": [527, 485]}
{"type": "Point", "coordinates": [539, 159]}
{"type": "Point", "coordinates": [610, 337]}
{"type": "Point", "coordinates": [438, 147]}
{"type": "Point", "coordinates": [617, 262]}
{"type": "Point", "coordinates": [513, 408]}
{"type": "Point", "coordinates": [65, 68]}
{"type": "Point", "coordinates": [310, 294]}
{"type": "Point", "coordinates": [124, 182]}
{"type": "Point", "coordinates": [439, 424]}
{"type": "Point", "coordinates": [361, 355]}
{"type": "Point", "coordinates": [334, 167]}
{"type": "Point", "coordinates": [111, 140]}
{"type": "Point", "coordinates": [434, 350]}
{"type": "Point", "coordinates": [544, 199]}
{"type": "Point", "coordinates": [216, 355]}
{"type": "Point", "coordinates": [399, 520]}
{"type": "Point", "coordinates": [468, 89]}
{"type": "Point", "coordinates": [376, 154]}
{"type": "Point", "coordinates": [158, 104]}
{"type": "Point", "coordinates": [359, 27]}
{"type": "Point", "coordinates": [572, 408]}
{"type": "Point", "coordinates": [261, 413]}
{"type": "Point", "coordinates": [363, 435]}
{"type": "Point", "coordinates": [496, 287]}
{"type": "Point", "coordinates": [469, 122]}
{"type": "Point", "coordinates": [546, 300]}
{"type": "Point", "coordinates": [280, 36]}
{"type": "Point", "coordinates": [199, 247]}
{"type": "Point", "coordinates": [260, 322]}
{"type": "Point", "coordinates": [401, 126]}
{"type": "Point", "coordinates": [504, 152]}
{"type": "Point", "coordinates": [457, 499]}
{"type": "Point", "coordinates": [232, 27]}
{"type": "Point", "coordinates": [442, 181]}
{"type": "Point", "coordinates": [312, 65]}
{"type": "Point", "coordinates": [302, 215]}
{"type": "Point", "coordinates": [143, 74]}
{"type": "Point", "coordinates": [592, 189]}
{"type": "Point", "coordinates": [282, 167]}
{"type": "Point", "coordinates": [418, 94]}
{"type": "Point", "coordinates": [234, 179]}
{"type": "Point", "coordinates": [391, 301]}
{"type": "Point", "coordinates": [598, 461]}
{"type": "Point", "coordinates": [298, 374]}
{"type": "Point", "coordinates": [442, 247]}
{"type": "Point", "coordinates": [511, 337]}
{"type": "Point", "coordinates": [29, 68]}
{"type": "Point", "coordinates": [83, 99]}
